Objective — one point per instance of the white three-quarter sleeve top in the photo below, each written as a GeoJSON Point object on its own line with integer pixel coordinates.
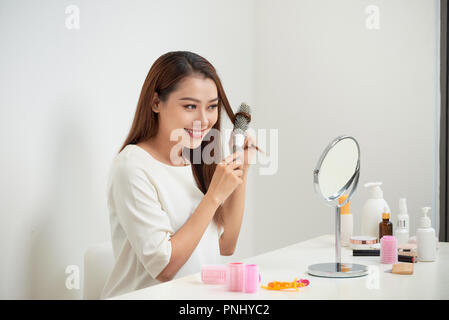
{"type": "Point", "coordinates": [148, 202]}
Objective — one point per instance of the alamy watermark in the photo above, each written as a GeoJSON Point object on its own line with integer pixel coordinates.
{"type": "Point", "coordinates": [72, 20]}
{"type": "Point", "coordinates": [268, 159]}
{"type": "Point", "coordinates": [72, 281]}
{"type": "Point", "coordinates": [372, 279]}
{"type": "Point", "coordinates": [372, 21]}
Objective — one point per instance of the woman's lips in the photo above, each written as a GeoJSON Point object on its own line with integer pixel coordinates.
{"type": "Point", "coordinates": [195, 133]}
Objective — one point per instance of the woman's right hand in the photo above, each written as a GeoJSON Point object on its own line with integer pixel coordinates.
{"type": "Point", "coordinates": [227, 176]}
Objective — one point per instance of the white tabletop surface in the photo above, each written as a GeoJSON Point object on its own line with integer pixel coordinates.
{"type": "Point", "coordinates": [430, 280]}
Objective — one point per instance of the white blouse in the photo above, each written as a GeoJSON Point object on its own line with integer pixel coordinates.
{"type": "Point", "coordinates": [148, 202]}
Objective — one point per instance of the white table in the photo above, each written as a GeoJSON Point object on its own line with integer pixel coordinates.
{"type": "Point", "coordinates": [430, 280]}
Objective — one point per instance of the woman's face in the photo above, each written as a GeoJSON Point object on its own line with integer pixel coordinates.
{"type": "Point", "coordinates": [189, 112]}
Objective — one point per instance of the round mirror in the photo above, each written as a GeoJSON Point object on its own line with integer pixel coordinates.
{"type": "Point", "coordinates": [337, 173]}
{"type": "Point", "coordinates": [338, 168]}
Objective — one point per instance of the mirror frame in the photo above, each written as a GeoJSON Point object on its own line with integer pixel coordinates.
{"type": "Point", "coordinates": [337, 269]}
{"type": "Point", "coordinates": [354, 180]}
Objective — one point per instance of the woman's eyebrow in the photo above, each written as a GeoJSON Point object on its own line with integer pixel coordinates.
{"type": "Point", "coordinates": [196, 100]}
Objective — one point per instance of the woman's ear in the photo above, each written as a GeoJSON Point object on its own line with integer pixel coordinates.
{"type": "Point", "coordinates": [155, 103]}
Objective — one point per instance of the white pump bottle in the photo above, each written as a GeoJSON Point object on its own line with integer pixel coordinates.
{"type": "Point", "coordinates": [425, 238]}
{"type": "Point", "coordinates": [373, 209]}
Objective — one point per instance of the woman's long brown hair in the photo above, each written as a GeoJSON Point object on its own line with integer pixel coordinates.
{"type": "Point", "coordinates": [163, 78]}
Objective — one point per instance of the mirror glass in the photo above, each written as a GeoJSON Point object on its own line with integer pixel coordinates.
{"type": "Point", "coordinates": [337, 166]}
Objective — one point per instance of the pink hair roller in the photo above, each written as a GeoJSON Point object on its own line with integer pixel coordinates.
{"type": "Point", "coordinates": [388, 250]}
{"type": "Point", "coordinates": [213, 274]}
{"type": "Point", "coordinates": [252, 278]}
{"type": "Point", "coordinates": [236, 274]}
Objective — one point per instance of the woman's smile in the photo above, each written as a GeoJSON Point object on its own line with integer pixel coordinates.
{"type": "Point", "coordinates": [197, 134]}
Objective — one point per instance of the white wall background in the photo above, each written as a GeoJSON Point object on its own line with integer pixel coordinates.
{"type": "Point", "coordinates": [320, 73]}
{"type": "Point", "coordinates": [68, 98]}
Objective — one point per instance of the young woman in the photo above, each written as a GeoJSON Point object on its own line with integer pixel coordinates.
{"type": "Point", "coordinates": [170, 210]}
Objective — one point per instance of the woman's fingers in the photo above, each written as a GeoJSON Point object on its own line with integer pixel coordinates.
{"type": "Point", "coordinates": [229, 158]}
{"type": "Point", "coordinates": [236, 156]}
{"type": "Point", "coordinates": [236, 164]}
{"type": "Point", "coordinates": [238, 173]}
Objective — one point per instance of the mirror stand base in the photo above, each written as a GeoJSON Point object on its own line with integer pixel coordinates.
{"type": "Point", "coordinates": [337, 270]}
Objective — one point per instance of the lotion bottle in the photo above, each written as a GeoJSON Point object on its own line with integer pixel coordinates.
{"type": "Point", "coordinates": [373, 209]}
{"type": "Point", "coordinates": [425, 238]}
{"type": "Point", "coordinates": [347, 222]}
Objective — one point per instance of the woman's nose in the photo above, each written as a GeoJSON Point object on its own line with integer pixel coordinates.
{"type": "Point", "coordinates": [203, 119]}
{"type": "Point", "coordinates": [200, 124]}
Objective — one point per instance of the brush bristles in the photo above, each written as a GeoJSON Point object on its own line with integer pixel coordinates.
{"type": "Point", "coordinates": [244, 108]}
{"type": "Point", "coordinates": [240, 121]}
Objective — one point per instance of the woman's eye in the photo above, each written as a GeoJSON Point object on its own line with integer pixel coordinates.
{"type": "Point", "coordinates": [192, 106]}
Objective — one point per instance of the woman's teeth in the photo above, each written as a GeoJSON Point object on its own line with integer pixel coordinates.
{"type": "Point", "coordinates": [194, 133]}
